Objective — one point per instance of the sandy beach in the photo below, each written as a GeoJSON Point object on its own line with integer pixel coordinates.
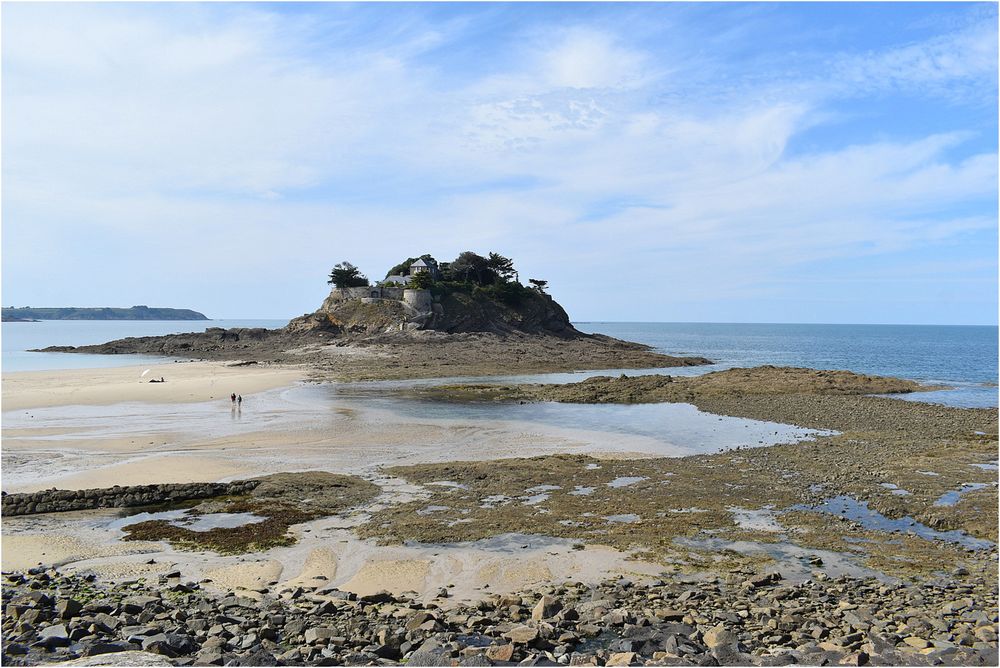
{"type": "Point", "coordinates": [185, 382]}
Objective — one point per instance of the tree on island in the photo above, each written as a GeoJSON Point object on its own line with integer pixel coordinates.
{"type": "Point", "coordinates": [473, 268]}
{"type": "Point", "coordinates": [346, 275]}
{"type": "Point", "coordinates": [538, 284]}
{"type": "Point", "coordinates": [421, 280]}
{"type": "Point", "coordinates": [502, 266]}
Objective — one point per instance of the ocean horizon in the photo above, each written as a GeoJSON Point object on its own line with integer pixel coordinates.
{"type": "Point", "coordinates": [963, 357]}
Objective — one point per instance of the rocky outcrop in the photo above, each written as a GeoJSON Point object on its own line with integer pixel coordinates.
{"type": "Point", "coordinates": [529, 312]}
{"type": "Point", "coordinates": [62, 500]}
{"type": "Point", "coordinates": [213, 343]}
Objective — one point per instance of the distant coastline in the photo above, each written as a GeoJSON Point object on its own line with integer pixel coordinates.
{"type": "Point", "coordinates": [28, 314]}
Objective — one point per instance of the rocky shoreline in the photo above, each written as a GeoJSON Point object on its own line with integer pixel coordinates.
{"type": "Point", "coordinates": [130, 496]}
{"type": "Point", "coordinates": [738, 383]}
{"type": "Point", "coordinates": [746, 618]}
{"type": "Point", "coordinates": [402, 355]}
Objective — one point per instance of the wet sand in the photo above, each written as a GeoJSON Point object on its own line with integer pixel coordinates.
{"type": "Point", "coordinates": [185, 382]}
{"type": "Point", "coordinates": [313, 427]}
{"type": "Point", "coordinates": [104, 436]}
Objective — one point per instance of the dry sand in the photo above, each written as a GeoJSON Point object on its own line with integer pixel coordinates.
{"type": "Point", "coordinates": [187, 381]}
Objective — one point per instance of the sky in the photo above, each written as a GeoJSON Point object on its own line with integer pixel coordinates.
{"type": "Point", "coordinates": [717, 162]}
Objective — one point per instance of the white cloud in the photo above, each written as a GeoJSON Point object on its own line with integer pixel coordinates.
{"type": "Point", "coordinates": [587, 58]}
{"type": "Point", "coordinates": [180, 133]}
{"type": "Point", "coordinates": [946, 63]}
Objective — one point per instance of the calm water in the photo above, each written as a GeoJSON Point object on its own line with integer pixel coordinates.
{"type": "Point", "coordinates": [18, 337]}
{"type": "Point", "coordinates": [959, 356]}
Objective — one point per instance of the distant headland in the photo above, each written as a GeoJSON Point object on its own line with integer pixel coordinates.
{"type": "Point", "coordinates": [28, 314]}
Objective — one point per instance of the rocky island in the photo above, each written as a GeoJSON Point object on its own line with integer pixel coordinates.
{"type": "Point", "coordinates": [470, 317]}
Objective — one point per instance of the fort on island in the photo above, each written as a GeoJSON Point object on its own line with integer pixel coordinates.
{"type": "Point", "coordinates": [418, 288]}
{"type": "Point", "coordinates": [393, 287]}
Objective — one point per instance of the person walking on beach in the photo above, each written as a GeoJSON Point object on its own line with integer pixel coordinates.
{"type": "Point", "coordinates": [239, 401]}
{"type": "Point", "coordinates": [232, 397]}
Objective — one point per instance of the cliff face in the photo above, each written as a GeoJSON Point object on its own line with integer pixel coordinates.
{"type": "Point", "coordinates": [530, 312]}
{"type": "Point", "coordinates": [450, 309]}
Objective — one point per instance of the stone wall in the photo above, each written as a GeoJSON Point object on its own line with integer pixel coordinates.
{"type": "Point", "coordinates": [62, 500]}
{"type": "Point", "coordinates": [338, 295]}
{"type": "Point", "coordinates": [343, 294]}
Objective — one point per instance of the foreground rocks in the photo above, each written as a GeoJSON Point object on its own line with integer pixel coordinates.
{"type": "Point", "coordinates": [51, 617]}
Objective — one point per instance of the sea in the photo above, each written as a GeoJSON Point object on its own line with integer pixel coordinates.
{"type": "Point", "coordinates": [20, 337]}
{"type": "Point", "coordinates": [964, 358]}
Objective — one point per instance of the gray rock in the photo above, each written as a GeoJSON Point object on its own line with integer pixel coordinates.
{"type": "Point", "coordinates": [320, 633]}
{"type": "Point", "coordinates": [136, 604]}
{"type": "Point", "coordinates": [68, 608]}
{"type": "Point", "coordinates": [98, 648]}
{"type": "Point", "coordinates": [54, 636]}
{"type": "Point", "coordinates": [124, 659]}
{"type": "Point", "coordinates": [430, 654]}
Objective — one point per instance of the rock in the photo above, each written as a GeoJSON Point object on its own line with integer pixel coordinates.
{"type": "Point", "coordinates": [106, 622]}
{"type": "Point", "coordinates": [136, 604]}
{"type": "Point", "coordinates": [99, 648]}
{"type": "Point", "coordinates": [779, 660]}
{"type": "Point", "coordinates": [430, 654]}
{"type": "Point", "coordinates": [125, 659]}
{"type": "Point", "coordinates": [68, 608]}
{"type": "Point", "coordinates": [500, 652]}
{"type": "Point", "coordinates": [522, 635]}
{"type": "Point", "coordinates": [211, 657]}
{"type": "Point", "coordinates": [157, 644]}
{"type": "Point", "coordinates": [914, 641]}
{"type": "Point", "coordinates": [621, 659]}
{"type": "Point", "coordinates": [258, 657]}
{"type": "Point", "coordinates": [318, 633]}
{"type": "Point", "coordinates": [54, 636]}
{"type": "Point", "coordinates": [719, 636]}
{"type": "Point", "coordinates": [546, 608]}
{"type": "Point", "coordinates": [182, 643]}
{"type": "Point", "coordinates": [378, 597]}
{"type": "Point", "coordinates": [669, 615]}
{"type": "Point", "coordinates": [418, 620]}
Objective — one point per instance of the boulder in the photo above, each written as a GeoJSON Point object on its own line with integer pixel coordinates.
{"type": "Point", "coordinates": [546, 608]}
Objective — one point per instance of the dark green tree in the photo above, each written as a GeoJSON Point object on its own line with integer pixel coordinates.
{"type": "Point", "coordinates": [472, 268]}
{"type": "Point", "coordinates": [346, 275]}
{"type": "Point", "coordinates": [538, 284]}
{"type": "Point", "coordinates": [421, 280]}
{"type": "Point", "coordinates": [502, 266]}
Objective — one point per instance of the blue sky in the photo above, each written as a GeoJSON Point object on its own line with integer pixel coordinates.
{"type": "Point", "coordinates": [656, 162]}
